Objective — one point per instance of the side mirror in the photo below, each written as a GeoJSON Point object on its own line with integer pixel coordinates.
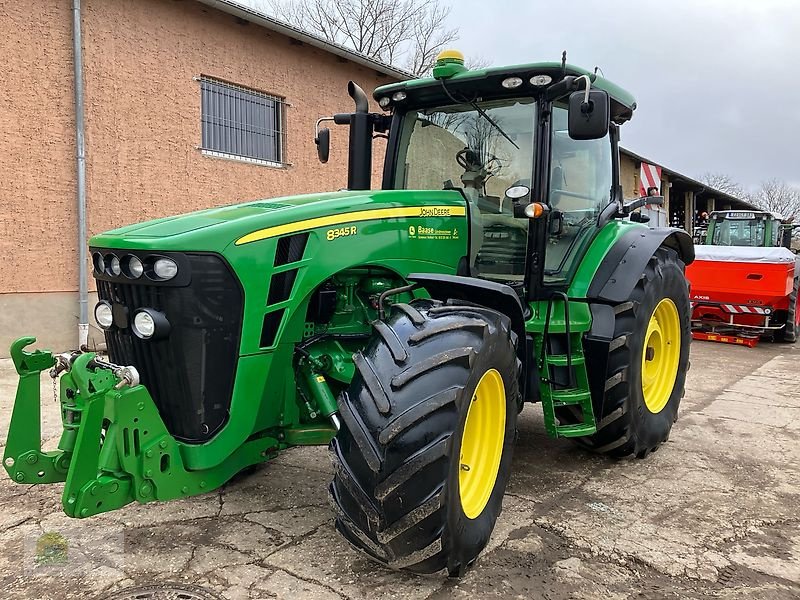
{"type": "Point", "coordinates": [786, 242]}
{"type": "Point", "coordinates": [556, 224]}
{"type": "Point", "coordinates": [589, 115]}
{"type": "Point", "coordinates": [323, 142]}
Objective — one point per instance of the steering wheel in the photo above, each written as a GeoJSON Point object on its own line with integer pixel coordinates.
{"type": "Point", "coordinates": [468, 160]}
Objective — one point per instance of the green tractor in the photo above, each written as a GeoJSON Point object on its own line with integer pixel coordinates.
{"type": "Point", "coordinates": [753, 228]}
{"type": "Point", "coordinates": [406, 327]}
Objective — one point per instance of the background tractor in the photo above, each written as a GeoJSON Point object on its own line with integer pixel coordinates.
{"type": "Point", "coordinates": [745, 279]}
{"type": "Point", "coordinates": [406, 327]}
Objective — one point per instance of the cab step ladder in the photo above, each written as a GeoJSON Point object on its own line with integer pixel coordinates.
{"type": "Point", "coordinates": [564, 381]}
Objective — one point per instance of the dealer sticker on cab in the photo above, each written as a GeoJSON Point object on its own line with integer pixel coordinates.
{"type": "Point", "coordinates": [432, 233]}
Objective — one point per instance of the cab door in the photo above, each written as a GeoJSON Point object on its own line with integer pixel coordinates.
{"type": "Point", "coordinates": [581, 186]}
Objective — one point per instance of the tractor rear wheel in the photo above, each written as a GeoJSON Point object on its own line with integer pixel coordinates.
{"type": "Point", "coordinates": [423, 456]}
{"type": "Point", "coordinates": [792, 328]}
{"type": "Point", "coordinates": [647, 363]}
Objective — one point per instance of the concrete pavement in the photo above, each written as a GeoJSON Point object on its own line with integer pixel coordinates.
{"type": "Point", "coordinates": [713, 514]}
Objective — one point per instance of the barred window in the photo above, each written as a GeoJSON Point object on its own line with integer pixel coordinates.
{"type": "Point", "coordinates": [242, 123]}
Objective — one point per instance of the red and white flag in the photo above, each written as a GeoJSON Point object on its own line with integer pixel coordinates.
{"type": "Point", "coordinates": [649, 176]}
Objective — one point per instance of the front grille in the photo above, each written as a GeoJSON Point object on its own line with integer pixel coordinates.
{"type": "Point", "coordinates": [189, 373]}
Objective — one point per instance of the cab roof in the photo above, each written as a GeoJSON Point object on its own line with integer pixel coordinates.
{"type": "Point", "coordinates": [485, 82]}
{"type": "Point", "coordinates": [754, 212]}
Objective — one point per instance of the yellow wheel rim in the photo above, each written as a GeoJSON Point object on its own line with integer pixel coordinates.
{"type": "Point", "coordinates": [482, 444]}
{"type": "Point", "coordinates": [661, 355]}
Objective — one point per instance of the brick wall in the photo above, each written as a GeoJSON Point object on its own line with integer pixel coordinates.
{"type": "Point", "coordinates": [37, 161]}
{"type": "Point", "coordinates": [143, 122]}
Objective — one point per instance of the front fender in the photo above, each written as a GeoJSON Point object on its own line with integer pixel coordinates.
{"type": "Point", "coordinates": [490, 294]}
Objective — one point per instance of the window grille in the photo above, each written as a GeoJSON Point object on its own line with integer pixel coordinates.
{"type": "Point", "coordinates": [242, 124]}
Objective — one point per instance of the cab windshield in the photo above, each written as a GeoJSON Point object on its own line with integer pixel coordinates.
{"type": "Point", "coordinates": [485, 149]}
{"type": "Point", "coordinates": [739, 232]}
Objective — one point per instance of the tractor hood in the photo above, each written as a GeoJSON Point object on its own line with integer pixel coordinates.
{"type": "Point", "coordinates": [217, 228]}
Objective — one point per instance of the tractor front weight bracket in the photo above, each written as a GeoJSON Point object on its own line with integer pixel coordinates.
{"type": "Point", "coordinates": [23, 459]}
{"type": "Point", "coordinates": [114, 447]}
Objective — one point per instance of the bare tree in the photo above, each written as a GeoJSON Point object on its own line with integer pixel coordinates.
{"type": "Point", "coordinates": [780, 197]}
{"type": "Point", "coordinates": [773, 195]}
{"type": "Point", "coordinates": [724, 183]}
{"type": "Point", "coordinates": [429, 37]}
{"type": "Point", "coordinates": [408, 33]}
{"type": "Point", "coordinates": [478, 61]}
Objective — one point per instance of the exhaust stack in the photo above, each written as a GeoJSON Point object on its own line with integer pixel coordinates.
{"type": "Point", "coordinates": [359, 170]}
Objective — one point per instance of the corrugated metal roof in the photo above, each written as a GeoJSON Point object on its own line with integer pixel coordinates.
{"type": "Point", "coordinates": [263, 20]}
{"type": "Point", "coordinates": [697, 186]}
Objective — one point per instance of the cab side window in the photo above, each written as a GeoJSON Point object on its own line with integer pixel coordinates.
{"type": "Point", "coordinates": [580, 188]}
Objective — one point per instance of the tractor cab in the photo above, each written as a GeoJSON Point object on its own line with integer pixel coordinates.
{"type": "Point", "coordinates": [749, 228]}
{"type": "Point", "coordinates": [532, 148]}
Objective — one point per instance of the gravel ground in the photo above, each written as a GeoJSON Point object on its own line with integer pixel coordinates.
{"type": "Point", "coordinates": [713, 514]}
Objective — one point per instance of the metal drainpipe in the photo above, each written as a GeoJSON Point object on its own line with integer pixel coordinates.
{"type": "Point", "coordinates": [80, 154]}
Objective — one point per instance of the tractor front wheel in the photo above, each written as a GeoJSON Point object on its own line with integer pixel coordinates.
{"type": "Point", "coordinates": [423, 455]}
{"type": "Point", "coordinates": [647, 363]}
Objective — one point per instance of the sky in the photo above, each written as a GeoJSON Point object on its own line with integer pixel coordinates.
{"type": "Point", "coordinates": [716, 81]}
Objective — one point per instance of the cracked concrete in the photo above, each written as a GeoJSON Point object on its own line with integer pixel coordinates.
{"type": "Point", "coordinates": [713, 514]}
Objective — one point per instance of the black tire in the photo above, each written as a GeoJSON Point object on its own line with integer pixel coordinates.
{"type": "Point", "coordinates": [625, 426]}
{"type": "Point", "coordinates": [397, 455]}
{"type": "Point", "coordinates": [789, 333]}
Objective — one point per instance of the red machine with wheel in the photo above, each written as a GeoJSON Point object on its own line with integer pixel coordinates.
{"type": "Point", "coordinates": [743, 289]}
{"type": "Point", "coordinates": [744, 292]}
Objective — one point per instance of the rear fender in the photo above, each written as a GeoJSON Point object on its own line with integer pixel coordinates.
{"type": "Point", "coordinates": [625, 262]}
{"type": "Point", "coordinates": [613, 282]}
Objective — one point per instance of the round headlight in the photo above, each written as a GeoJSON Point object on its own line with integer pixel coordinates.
{"type": "Point", "coordinates": [113, 265]}
{"type": "Point", "coordinates": [144, 325]}
{"type": "Point", "coordinates": [399, 96]}
{"type": "Point", "coordinates": [165, 268]}
{"type": "Point", "coordinates": [149, 323]}
{"type": "Point", "coordinates": [98, 262]}
{"type": "Point", "coordinates": [384, 102]}
{"type": "Point", "coordinates": [103, 314]}
{"type": "Point", "coordinates": [133, 267]}
{"type": "Point", "coordinates": [511, 83]}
